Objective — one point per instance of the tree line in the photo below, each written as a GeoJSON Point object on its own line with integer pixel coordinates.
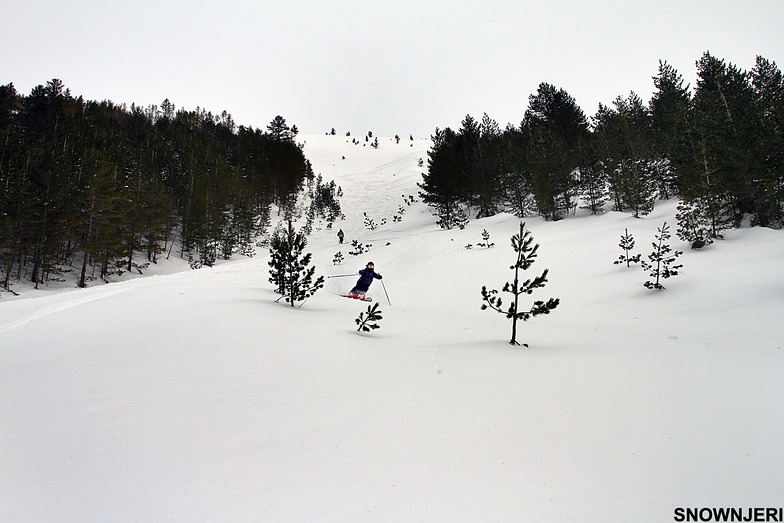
{"type": "Point", "coordinates": [99, 188]}
{"type": "Point", "coordinates": [720, 149]}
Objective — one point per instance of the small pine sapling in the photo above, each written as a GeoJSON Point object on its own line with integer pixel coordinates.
{"type": "Point", "coordinates": [661, 260]}
{"type": "Point", "coordinates": [627, 244]}
{"type": "Point", "coordinates": [526, 255]}
{"type": "Point", "coordinates": [358, 248]}
{"type": "Point", "coordinates": [370, 224]}
{"type": "Point", "coordinates": [486, 237]}
{"type": "Point", "coordinates": [367, 321]}
{"type": "Point", "coordinates": [338, 259]}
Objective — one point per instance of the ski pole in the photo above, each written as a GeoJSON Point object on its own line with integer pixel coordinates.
{"type": "Point", "coordinates": [341, 276]}
{"type": "Point", "coordinates": [385, 292]}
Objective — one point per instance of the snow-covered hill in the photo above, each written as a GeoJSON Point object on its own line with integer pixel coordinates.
{"type": "Point", "coordinates": [194, 397]}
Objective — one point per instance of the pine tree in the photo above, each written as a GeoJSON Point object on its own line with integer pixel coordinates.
{"type": "Point", "coordinates": [441, 187]}
{"type": "Point", "coordinates": [768, 83]}
{"type": "Point", "coordinates": [367, 320]}
{"type": "Point", "coordinates": [486, 237]}
{"type": "Point", "coordinates": [593, 176]}
{"type": "Point", "coordinates": [661, 260]}
{"type": "Point", "coordinates": [624, 148]}
{"type": "Point", "coordinates": [526, 255]}
{"type": "Point", "coordinates": [669, 111]}
{"type": "Point", "coordinates": [289, 267]}
{"type": "Point", "coordinates": [701, 220]}
{"type": "Point", "coordinates": [627, 244]}
{"type": "Point", "coordinates": [723, 128]}
{"type": "Point", "coordinates": [553, 128]}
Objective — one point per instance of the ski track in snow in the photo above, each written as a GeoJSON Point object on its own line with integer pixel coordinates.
{"type": "Point", "coordinates": [65, 301]}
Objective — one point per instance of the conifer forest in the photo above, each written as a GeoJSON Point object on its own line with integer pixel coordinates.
{"type": "Point", "coordinates": [718, 147]}
{"type": "Point", "coordinates": [99, 188]}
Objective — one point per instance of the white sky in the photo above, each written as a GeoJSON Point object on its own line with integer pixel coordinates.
{"type": "Point", "coordinates": [393, 67]}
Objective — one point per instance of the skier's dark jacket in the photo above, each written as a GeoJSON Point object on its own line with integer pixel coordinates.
{"type": "Point", "coordinates": [366, 276]}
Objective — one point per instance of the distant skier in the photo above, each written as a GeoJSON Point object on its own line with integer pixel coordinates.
{"type": "Point", "coordinates": [366, 276]}
{"type": "Point", "coordinates": [340, 235]}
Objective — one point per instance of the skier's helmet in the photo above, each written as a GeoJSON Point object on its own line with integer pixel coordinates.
{"type": "Point", "coordinates": [369, 265]}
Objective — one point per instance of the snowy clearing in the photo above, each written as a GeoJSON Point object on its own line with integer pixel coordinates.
{"type": "Point", "coordinates": [192, 396]}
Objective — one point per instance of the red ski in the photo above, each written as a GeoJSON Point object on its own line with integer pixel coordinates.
{"type": "Point", "coordinates": [361, 297]}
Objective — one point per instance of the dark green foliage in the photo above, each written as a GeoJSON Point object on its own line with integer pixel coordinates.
{"type": "Point", "coordinates": [102, 189]}
{"type": "Point", "coordinates": [442, 188]}
{"type": "Point", "coordinates": [718, 157]}
{"type": "Point", "coordinates": [702, 220]}
{"type": "Point", "coordinates": [624, 150]}
{"type": "Point", "coordinates": [627, 244]}
{"type": "Point", "coordinates": [358, 248]}
{"type": "Point", "coordinates": [487, 169]}
{"type": "Point", "coordinates": [289, 270]}
{"type": "Point", "coordinates": [593, 176]}
{"type": "Point", "coordinates": [553, 130]}
{"type": "Point", "coordinates": [720, 149]}
{"type": "Point", "coordinates": [526, 255]}
{"type": "Point", "coordinates": [324, 200]}
{"type": "Point", "coordinates": [669, 112]}
{"type": "Point", "coordinates": [661, 259]}
{"type": "Point", "coordinates": [768, 85]}
{"type": "Point", "coordinates": [367, 320]}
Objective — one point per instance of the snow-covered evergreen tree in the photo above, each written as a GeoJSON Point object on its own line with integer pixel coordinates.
{"type": "Point", "coordinates": [289, 270]}
{"type": "Point", "coordinates": [661, 259]}
{"type": "Point", "coordinates": [526, 255]}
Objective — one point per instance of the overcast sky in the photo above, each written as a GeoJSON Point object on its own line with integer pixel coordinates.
{"type": "Point", "coordinates": [392, 67]}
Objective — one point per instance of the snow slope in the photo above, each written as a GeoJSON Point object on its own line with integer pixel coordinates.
{"type": "Point", "coordinates": [195, 397]}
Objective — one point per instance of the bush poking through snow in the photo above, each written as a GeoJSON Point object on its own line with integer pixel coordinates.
{"type": "Point", "coordinates": [367, 320]}
{"type": "Point", "coordinates": [358, 248]}
{"type": "Point", "coordinates": [526, 256]}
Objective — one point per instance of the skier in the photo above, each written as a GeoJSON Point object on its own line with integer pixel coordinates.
{"type": "Point", "coordinates": [340, 235]}
{"type": "Point", "coordinates": [366, 278]}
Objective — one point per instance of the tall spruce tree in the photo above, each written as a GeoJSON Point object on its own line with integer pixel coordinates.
{"type": "Point", "coordinates": [723, 131]}
{"type": "Point", "coordinates": [526, 255]}
{"type": "Point", "coordinates": [441, 188]}
{"type": "Point", "coordinates": [553, 128]}
{"type": "Point", "coordinates": [625, 150]}
{"type": "Point", "coordinates": [669, 111]}
{"type": "Point", "coordinates": [768, 85]}
{"type": "Point", "coordinates": [593, 176]}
